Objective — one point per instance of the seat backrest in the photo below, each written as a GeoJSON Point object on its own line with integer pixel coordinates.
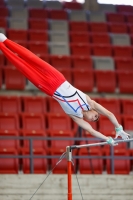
{"type": "Point", "coordinates": [107, 8]}
{"type": "Point", "coordinates": [103, 63]}
{"type": "Point", "coordinates": [58, 25]}
{"type": "Point", "coordinates": [78, 15]}
{"type": "Point", "coordinates": [19, 13]}
{"type": "Point", "coordinates": [18, 23]}
{"type": "Point", "coordinates": [10, 104]}
{"type": "Point", "coordinates": [59, 49]}
{"type": "Point", "coordinates": [59, 37]}
{"type": "Point", "coordinates": [53, 5]}
{"type": "Point", "coordinates": [120, 39]}
{"type": "Point", "coordinates": [35, 4]}
{"type": "Point", "coordinates": [97, 17]}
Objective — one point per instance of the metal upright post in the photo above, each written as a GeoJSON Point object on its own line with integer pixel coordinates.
{"type": "Point", "coordinates": [69, 168]}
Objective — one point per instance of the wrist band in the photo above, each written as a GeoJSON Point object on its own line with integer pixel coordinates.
{"type": "Point", "coordinates": [109, 141]}
{"type": "Point", "coordinates": [120, 128]}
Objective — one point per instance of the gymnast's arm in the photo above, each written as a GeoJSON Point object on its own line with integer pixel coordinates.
{"type": "Point", "coordinates": [86, 126]}
{"type": "Point", "coordinates": [101, 110]}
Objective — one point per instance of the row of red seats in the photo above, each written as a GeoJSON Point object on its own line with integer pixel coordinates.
{"type": "Point", "coordinates": [82, 49]}
{"type": "Point", "coordinates": [56, 121]}
{"type": "Point", "coordinates": [85, 80]}
{"type": "Point", "coordinates": [42, 24]}
{"type": "Point", "coordinates": [44, 36]}
{"type": "Point", "coordinates": [65, 5]}
{"type": "Point", "coordinates": [64, 14]}
{"type": "Point", "coordinates": [78, 6]}
{"type": "Point", "coordinates": [43, 139]}
{"type": "Point", "coordinates": [32, 37]}
{"type": "Point", "coordinates": [76, 62]}
{"type": "Point", "coordinates": [39, 104]}
{"type": "Point", "coordinates": [85, 166]}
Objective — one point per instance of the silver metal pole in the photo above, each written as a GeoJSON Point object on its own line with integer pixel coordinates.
{"type": "Point", "coordinates": [98, 144]}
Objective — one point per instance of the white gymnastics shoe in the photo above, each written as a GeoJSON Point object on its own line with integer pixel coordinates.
{"type": "Point", "coordinates": [2, 37]}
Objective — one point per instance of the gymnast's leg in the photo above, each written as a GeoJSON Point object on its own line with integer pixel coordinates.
{"type": "Point", "coordinates": [24, 53]}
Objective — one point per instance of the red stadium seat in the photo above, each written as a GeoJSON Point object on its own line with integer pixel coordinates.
{"type": "Point", "coordinates": [118, 28]}
{"type": "Point", "coordinates": [9, 165]}
{"type": "Point", "coordinates": [125, 82]}
{"type": "Point", "coordinates": [124, 64]}
{"type": "Point", "coordinates": [9, 121]}
{"type": "Point", "coordinates": [58, 121]}
{"type": "Point", "coordinates": [112, 105]}
{"type": "Point", "coordinates": [38, 36]}
{"type": "Point", "coordinates": [127, 106]}
{"type": "Point", "coordinates": [36, 143]}
{"type": "Point", "coordinates": [98, 27]}
{"type": "Point", "coordinates": [79, 37]}
{"type": "Point", "coordinates": [100, 38]}
{"type": "Point", "coordinates": [106, 125]}
{"type": "Point", "coordinates": [3, 22]}
{"type": "Point", "coordinates": [67, 74]}
{"type": "Point", "coordinates": [4, 12]}
{"type": "Point", "coordinates": [38, 24]}
{"type": "Point", "coordinates": [72, 5]}
{"type": "Point", "coordinates": [54, 106]}
{"type": "Point", "coordinates": [128, 122]}
{"type": "Point", "coordinates": [34, 104]}
{"type": "Point", "coordinates": [58, 14]}
{"type": "Point", "coordinates": [121, 166]}
{"type": "Point", "coordinates": [38, 48]}
{"type": "Point", "coordinates": [80, 49]}
{"type": "Point", "coordinates": [39, 164]}
{"type": "Point", "coordinates": [14, 80]}
{"type": "Point", "coordinates": [2, 60]}
{"type": "Point", "coordinates": [115, 17]}
{"type": "Point", "coordinates": [33, 121]}
{"type": "Point", "coordinates": [61, 62]}
{"type": "Point", "coordinates": [123, 51]}
{"type": "Point", "coordinates": [83, 62]}
{"type": "Point", "coordinates": [76, 26]}
{"type": "Point", "coordinates": [130, 28]}
{"type": "Point", "coordinates": [83, 79]}
{"type": "Point", "coordinates": [62, 133]}
{"type": "Point", "coordinates": [124, 9]}
{"type": "Point", "coordinates": [17, 35]}
{"type": "Point", "coordinates": [105, 81]}
{"type": "Point", "coordinates": [129, 18]}
{"type": "Point", "coordinates": [102, 50]}
{"type": "Point", "coordinates": [9, 143]}
{"type": "Point", "coordinates": [10, 104]}
{"type": "Point", "coordinates": [61, 144]}
{"type": "Point", "coordinates": [89, 166]}
{"type": "Point", "coordinates": [2, 3]}
{"type": "Point", "coordinates": [38, 13]}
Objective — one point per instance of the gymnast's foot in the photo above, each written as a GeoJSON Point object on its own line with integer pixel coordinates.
{"type": "Point", "coordinates": [2, 37]}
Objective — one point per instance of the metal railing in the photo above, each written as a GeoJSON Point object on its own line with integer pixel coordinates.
{"type": "Point", "coordinates": [31, 155]}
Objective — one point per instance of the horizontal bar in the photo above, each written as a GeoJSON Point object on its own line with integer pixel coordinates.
{"type": "Point", "coordinates": [98, 144]}
{"type": "Point", "coordinates": [47, 138]}
{"type": "Point", "coordinates": [74, 157]}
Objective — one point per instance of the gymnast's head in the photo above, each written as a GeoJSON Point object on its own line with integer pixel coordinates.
{"type": "Point", "coordinates": [91, 115]}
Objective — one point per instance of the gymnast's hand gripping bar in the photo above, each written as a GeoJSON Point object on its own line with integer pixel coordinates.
{"type": "Point", "coordinates": [98, 144]}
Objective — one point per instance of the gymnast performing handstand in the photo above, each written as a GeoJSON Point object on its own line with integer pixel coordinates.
{"type": "Point", "coordinates": [75, 103]}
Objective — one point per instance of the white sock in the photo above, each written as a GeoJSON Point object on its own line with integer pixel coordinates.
{"type": "Point", "coordinates": [2, 37]}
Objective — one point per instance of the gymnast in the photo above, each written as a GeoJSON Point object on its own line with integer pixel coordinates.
{"type": "Point", "coordinates": [74, 102]}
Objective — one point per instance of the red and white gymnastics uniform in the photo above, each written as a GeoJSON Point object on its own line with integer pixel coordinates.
{"type": "Point", "coordinates": [45, 77]}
